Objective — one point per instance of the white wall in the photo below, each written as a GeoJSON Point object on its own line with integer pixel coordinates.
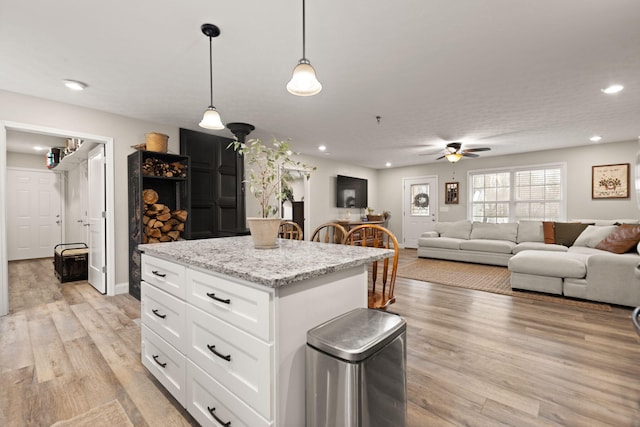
{"type": "Point", "coordinates": [28, 161]}
{"type": "Point", "coordinates": [579, 161]}
{"type": "Point", "coordinates": [124, 131]}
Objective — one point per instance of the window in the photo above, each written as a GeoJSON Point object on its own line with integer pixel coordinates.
{"type": "Point", "coordinates": [524, 193]}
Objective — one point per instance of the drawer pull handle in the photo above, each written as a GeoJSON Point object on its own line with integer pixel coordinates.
{"type": "Point", "coordinates": [159, 274]}
{"type": "Point", "coordinates": [212, 348]}
{"type": "Point", "coordinates": [155, 359]}
{"type": "Point", "coordinates": [162, 316]}
{"type": "Point", "coordinates": [212, 295]}
{"type": "Point", "coordinates": [212, 411]}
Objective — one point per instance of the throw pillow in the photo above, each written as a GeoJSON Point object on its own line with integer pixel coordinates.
{"type": "Point", "coordinates": [623, 239]}
{"type": "Point", "coordinates": [567, 232]}
{"type": "Point", "coordinates": [548, 232]}
{"type": "Point", "coordinates": [593, 234]}
{"type": "Point", "coordinates": [530, 231]}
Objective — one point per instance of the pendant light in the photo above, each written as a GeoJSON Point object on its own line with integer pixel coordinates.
{"type": "Point", "coordinates": [303, 81]}
{"type": "Point", "coordinates": [211, 118]}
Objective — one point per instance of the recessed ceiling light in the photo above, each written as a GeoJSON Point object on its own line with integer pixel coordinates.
{"type": "Point", "coordinates": [595, 138]}
{"type": "Point", "coordinates": [612, 89]}
{"type": "Point", "coordinates": [388, 164]}
{"type": "Point", "coordinates": [74, 84]}
{"type": "Point", "coordinates": [322, 148]}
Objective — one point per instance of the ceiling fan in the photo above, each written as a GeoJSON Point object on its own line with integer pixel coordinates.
{"type": "Point", "coordinates": [453, 152]}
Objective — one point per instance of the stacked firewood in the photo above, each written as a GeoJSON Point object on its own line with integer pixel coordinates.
{"type": "Point", "coordinates": [158, 167]}
{"type": "Point", "coordinates": [161, 224]}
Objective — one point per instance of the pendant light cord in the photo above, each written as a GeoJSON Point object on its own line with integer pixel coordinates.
{"type": "Point", "coordinates": [304, 56]}
{"type": "Point", "coordinates": [210, 73]}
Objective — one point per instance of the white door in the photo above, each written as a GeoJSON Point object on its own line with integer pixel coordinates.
{"type": "Point", "coordinates": [76, 212]}
{"type": "Point", "coordinates": [97, 218]}
{"type": "Point", "coordinates": [420, 208]}
{"type": "Point", "coordinates": [34, 213]}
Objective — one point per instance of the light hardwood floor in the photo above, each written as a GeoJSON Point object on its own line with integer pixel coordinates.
{"type": "Point", "coordinates": [473, 358]}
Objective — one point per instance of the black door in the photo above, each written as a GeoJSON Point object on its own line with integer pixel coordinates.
{"type": "Point", "coordinates": [217, 201]}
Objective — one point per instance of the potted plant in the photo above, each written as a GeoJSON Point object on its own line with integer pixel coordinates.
{"type": "Point", "coordinates": [268, 178]}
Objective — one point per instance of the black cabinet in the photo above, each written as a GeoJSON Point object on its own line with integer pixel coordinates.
{"type": "Point", "coordinates": [167, 177]}
{"type": "Point", "coordinates": [217, 199]}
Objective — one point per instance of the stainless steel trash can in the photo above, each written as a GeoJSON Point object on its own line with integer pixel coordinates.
{"type": "Point", "coordinates": [356, 371]}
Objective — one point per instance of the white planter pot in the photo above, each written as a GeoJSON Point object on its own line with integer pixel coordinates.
{"type": "Point", "coordinates": [264, 232]}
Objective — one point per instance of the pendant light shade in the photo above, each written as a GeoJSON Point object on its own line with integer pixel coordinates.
{"type": "Point", "coordinates": [304, 81]}
{"type": "Point", "coordinates": [211, 118]}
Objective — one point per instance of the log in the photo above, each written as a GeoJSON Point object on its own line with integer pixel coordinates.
{"type": "Point", "coordinates": [174, 234]}
{"type": "Point", "coordinates": [166, 227]}
{"type": "Point", "coordinates": [151, 222]}
{"type": "Point", "coordinates": [158, 224]}
{"type": "Point", "coordinates": [154, 232]}
{"type": "Point", "coordinates": [180, 215]}
{"type": "Point", "coordinates": [153, 240]}
{"type": "Point", "coordinates": [163, 217]}
{"type": "Point", "coordinates": [149, 196]}
{"type": "Point", "coordinates": [145, 219]}
{"type": "Point", "coordinates": [165, 238]}
{"type": "Point", "coordinates": [179, 227]}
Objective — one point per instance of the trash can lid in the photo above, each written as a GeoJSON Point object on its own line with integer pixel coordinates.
{"type": "Point", "coordinates": [357, 334]}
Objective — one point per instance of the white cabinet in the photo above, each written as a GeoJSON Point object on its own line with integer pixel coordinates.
{"type": "Point", "coordinates": [209, 341]}
{"type": "Point", "coordinates": [233, 351]}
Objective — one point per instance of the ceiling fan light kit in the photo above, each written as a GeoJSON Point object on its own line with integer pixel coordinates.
{"type": "Point", "coordinates": [211, 118]}
{"type": "Point", "coordinates": [453, 157]}
{"type": "Point", "coordinates": [303, 80]}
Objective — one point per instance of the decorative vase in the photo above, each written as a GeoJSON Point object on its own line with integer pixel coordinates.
{"type": "Point", "coordinates": [264, 232]}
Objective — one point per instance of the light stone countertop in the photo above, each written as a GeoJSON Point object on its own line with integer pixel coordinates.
{"type": "Point", "coordinates": [290, 262]}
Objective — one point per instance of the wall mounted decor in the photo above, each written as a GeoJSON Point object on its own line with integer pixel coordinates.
{"type": "Point", "coordinates": [451, 191]}
{"type": "Point", "coordinates": [610, 181]}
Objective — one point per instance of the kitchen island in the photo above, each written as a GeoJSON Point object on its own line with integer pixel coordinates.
{"type": "Point", "coordinates": [224, 324]}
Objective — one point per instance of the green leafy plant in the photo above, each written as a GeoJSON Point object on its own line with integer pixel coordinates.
{"type": "Point", "coordinates": [269, 171]}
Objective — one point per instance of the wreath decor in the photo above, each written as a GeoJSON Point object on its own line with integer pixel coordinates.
{"type": "Point", "coordinates": [421, 200]}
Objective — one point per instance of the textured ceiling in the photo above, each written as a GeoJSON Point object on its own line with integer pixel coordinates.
{"type": "Point", "coordinates": [511, 75]}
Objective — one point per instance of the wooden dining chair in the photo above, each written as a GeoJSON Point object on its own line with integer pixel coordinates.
{"type": "Point", "coordinates": [330, 232]}
{"type": "Point", "coordinates": [382, 278]}
{"type": "Point", "coordinates": [290, 230]}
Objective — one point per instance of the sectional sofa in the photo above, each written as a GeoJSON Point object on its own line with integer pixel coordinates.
{"type": "Point", "coordinates": [589, 259]}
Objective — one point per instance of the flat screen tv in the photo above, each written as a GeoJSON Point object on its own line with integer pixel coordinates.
{"type": "Point", "coordinates": [351, 192]}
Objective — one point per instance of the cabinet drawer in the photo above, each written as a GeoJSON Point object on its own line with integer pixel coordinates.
{"type": "Point", "coordinates": [237, 360]}
{"type": "Point", "coordinates": [166, 275]}
{"type": "Point", "coordinates": [206, 397]}
{"type": "Point", "coordinates": [165, 363]}
{"type": "Point", "coordinates": [165, 315]}
{"type": "Point", "coordinates": [235, 303]}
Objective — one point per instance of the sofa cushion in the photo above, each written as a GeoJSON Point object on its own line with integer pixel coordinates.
{"type": "Point", "coordinates": [530, 231]}
{"type": "Point", "coordinates": [488, 245]}
{"type": "Point", "coordinates": [593, 234]}
{"type": "Point", "coordinates": [458, 229]}
{"type": "Point", "coordinates": [567, 232]}
{"type": "Point", "coordinates": [549, 232]}
{"type": "Point", "coordinates": [538, 246]}
{"type": "Point", "coordinates": [440, 242]}
{"type": "Point", "coordinates": [505, 231]}
{"type": "Point", "coordinates": [621, 240]}
{"type": "Point", "coordinates": [546, 263]}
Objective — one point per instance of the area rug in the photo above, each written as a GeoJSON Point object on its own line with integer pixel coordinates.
{"type": "Point", "coordinates": [480, 277]}
{"type": "Point", "coordinates": [110, 414]}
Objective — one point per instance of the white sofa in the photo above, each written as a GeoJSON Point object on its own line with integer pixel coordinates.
{"type": "Point", "coordinates": [578, 270]}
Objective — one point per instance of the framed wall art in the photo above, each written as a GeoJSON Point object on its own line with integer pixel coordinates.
{"type": "Point", "coordinates": [610, 181]}
{"type": "Point", "coordinates": [451, 192]}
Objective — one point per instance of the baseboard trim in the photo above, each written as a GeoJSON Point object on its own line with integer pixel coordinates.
{"type": "Point", "coordinates": [122, 288]}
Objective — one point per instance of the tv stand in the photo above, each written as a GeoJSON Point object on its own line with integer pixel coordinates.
{"type": "Point", "coordinates": [348, 225]}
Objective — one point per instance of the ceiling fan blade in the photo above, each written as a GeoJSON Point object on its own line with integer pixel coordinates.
{"type": "Point", "coordinates": [465, 154]}
{"type": "Point", "coordinates": [441, 157]}
{"type": "Point", "coordinates": [473, 150]}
